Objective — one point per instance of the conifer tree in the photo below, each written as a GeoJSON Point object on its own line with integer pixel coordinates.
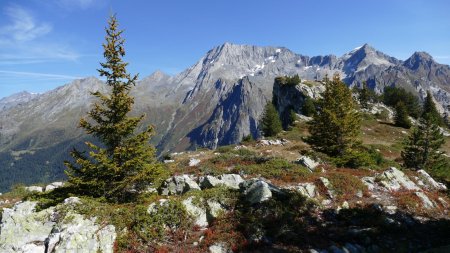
{"type": "Point", "coordinates": [270, 122]}
{"type": "Point", "coordinates": [364, 96]}
{"type": "Point", "coordinates": [421, 149]}
{"type": "Point", "coordinates": [429, 108]}
{"type": "Point", "coordinates": [336, 125]}
{"type": "Point", "coordinates": [309, 107]}
{"type": "Point", "coordinates": [401, 118]}
{"type": "Point", "coordinates": [125, 163]}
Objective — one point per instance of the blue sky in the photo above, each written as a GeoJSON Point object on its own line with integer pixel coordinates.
{"type": "Point", "coordinates": [45, 44]}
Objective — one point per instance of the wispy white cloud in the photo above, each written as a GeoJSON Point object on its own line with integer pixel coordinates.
{"type": "Point", "coordinates": [24, 39]}
{"type": "Point", "coordinates": [37, 75]}
{"type": "Point", "coordinates": [23, 26]}
{"type": "Point", "coordinates": [82, 4]}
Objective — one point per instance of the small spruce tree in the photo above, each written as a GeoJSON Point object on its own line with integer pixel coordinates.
{"type": "Point", "coordinates": [335, 126]}
{"type": "Point", "coordinates": [270, 123]}
{"type": "Point", "coordinates": [125, 163]}
{"type": "Point", "coordinates": [401, 118]}
{"type": "Point", "coordinates": [421, 148]}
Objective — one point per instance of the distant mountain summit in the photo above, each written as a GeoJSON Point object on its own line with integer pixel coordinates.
{"type": "Point", "coordinates": [16, 99]}
{"type": "Point", "coordinates": [216, 101]}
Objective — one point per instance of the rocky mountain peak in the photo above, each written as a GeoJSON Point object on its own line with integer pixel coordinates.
{"type": "Point", "coordinates": [362, 57]}
{"type": "Point", "coordinates": [156, 76]}
{"type": "Point", "coordinates": [419, 59]}
{"type": "Point", "coordinates": [16, 99]}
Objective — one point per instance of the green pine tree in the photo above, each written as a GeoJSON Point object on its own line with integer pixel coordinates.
{"type": "Point", "coordinates": [364, 96]}
{"type": "Point", "coordinates": [270, 122]}
{"type": "Point", "coordinates": [401, 118]}
{"type": "Point", "coordinates": [421, 149]}
{"type": "Point", "coordinates": [125, 163]}
{"type": "Point", "coordinates": [429, 108]}
{"type": "Point", "coordinates": [335, 126]}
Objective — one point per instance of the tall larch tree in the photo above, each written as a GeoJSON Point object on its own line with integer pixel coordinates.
{"type": "Point", "coordinates": [336, 124]}
{"type": "Point", "coordinates": [421, 148]}
{"type": "Point", "coordinates": [124, 164]}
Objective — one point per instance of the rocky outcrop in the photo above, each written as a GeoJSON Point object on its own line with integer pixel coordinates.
{"type": "Point", "coordinates": [428, 182]}
{"type": "Point", "coordinates": [228, 180]}
{"type": "Point", "coordinates": [393, 179]}
{"type": "Point", "coordinates": [178, 185]}
{"type": "Point", "coordinates": [308, 162]}
{"type": "Point", "coordinates": [288, 97]}
{"type": "Point", "coordinates": [25, 230]}
{"type": "Point", "coordinates": [257, 191]}
{"type": "Point", "coordinates": [198, 212]}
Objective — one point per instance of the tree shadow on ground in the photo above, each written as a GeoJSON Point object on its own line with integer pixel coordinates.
{"type": "Point", "coordinates": [290, 223]}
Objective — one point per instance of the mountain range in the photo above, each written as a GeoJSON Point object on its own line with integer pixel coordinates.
{"type": "Point", "coordinates": [217, 101]}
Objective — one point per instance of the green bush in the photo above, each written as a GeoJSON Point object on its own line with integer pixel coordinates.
{"type": "Point", "coordinates": [288, 80]}
{"type": "Point", "coordinates": [354, 159]}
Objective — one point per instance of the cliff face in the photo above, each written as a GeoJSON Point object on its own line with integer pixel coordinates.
{"type": "Point", "coordinates": [289, 97]}
{"type": "Point", "coordinates": [235, 116]}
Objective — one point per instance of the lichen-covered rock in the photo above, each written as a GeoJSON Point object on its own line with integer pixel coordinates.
{"type": "Point", "coordinates": [326, 183]}
{"type": "Point", "coordinates": [77, 234]}
{"type": "Point", "coordinates": [231, 180]}
{"type": "Point", "coordinates": [426, 202]}
{"type": "Point", "coordinates": [25, 230]}
{"type": "Point", "coordinates": [394, 179]}
{"type": "Point", "coordinates": [21, 227]}
{"type": "Point", "coordinates": [214, 209]}
{"type": "Point", "coordinates": [429, 182]}
{"type": "Point", "coordinates": [178, 185]}
{"type": "Point", "coordinates": [369, 182]}
{"type": "Point", "coordinates": [256, 191]}
{"type": "Point", "coordinates": [219, 248]}
{"type": "Point", "coordinates": [307, 189]}
{"type": "Point", "coordinates": [72, 201]}
{"type": "Point", "coordinates": [34, 188]}
{"type": "Point", "coordinates": [209, 182]}
{"type": "Point", "coordinates": [228, 180]}
{"type": "Point", "coordinates": [193, 162]}
{"type": "Point", "coordinates": [53, 186]}
{"type": "Point", "coordinates": [308, 162]}
{"type": "Point", "coordinates": [199, 213]}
